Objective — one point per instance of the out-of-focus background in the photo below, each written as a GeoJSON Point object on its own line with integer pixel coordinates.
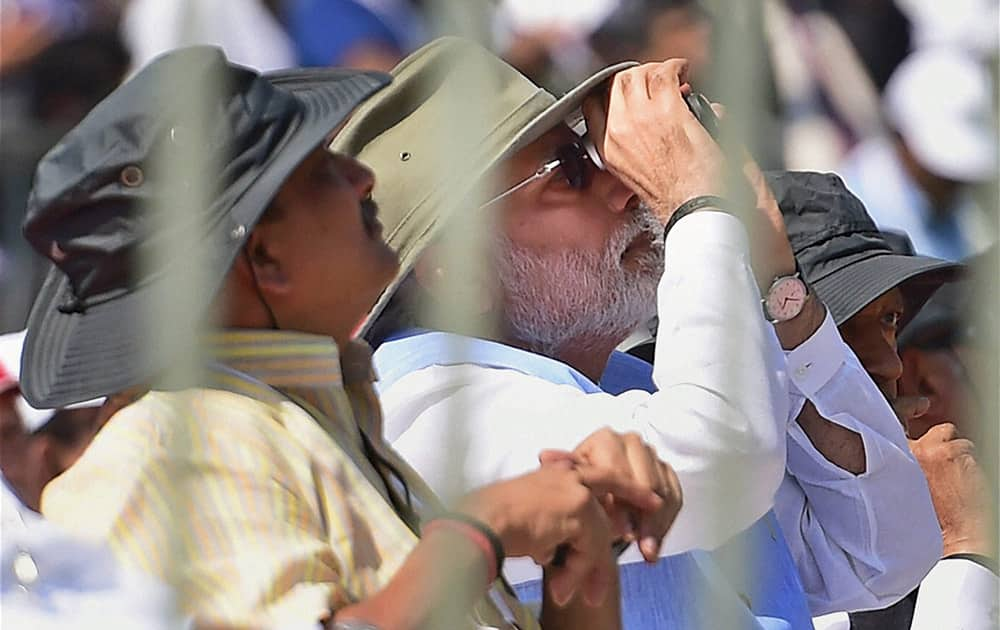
{"type": "Point", "coordinates": [899, 96]}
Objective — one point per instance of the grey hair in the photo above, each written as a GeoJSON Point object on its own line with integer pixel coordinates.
{"type": "Point", "coordinates": [572, 297]}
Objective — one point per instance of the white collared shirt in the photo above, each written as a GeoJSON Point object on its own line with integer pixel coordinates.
{"type": "Point", "coordinates": [723, 418]}
{"type": "Point", "coordinates": [49, 580]}
{"type": "Point", "coordinates": [860, 541]}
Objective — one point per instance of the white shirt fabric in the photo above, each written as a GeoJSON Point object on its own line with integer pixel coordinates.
{"type": "Point", "coordinates": [723, 418]}
{"type": "Point", "coordinates": [970, 24]}
{"type": "Point", "coordinates": [50, 580]}
{"type": "Point", "coordinates": [859, 541]}
{"type": "Point", "coordinates": [833, 621]}
{"type": "Point", "coordinates": [244, 29]}
{"type": "Point", "coordinates": [957, 593]}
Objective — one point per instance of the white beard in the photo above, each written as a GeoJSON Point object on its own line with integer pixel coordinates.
{"type": "Point", "coordinates": [556, 300]}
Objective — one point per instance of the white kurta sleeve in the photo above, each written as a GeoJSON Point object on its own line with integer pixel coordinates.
{"type": "Point", "coordinates": [859, 541]}
{"type": "Point", "coordinates": [719, 415]}
{"type": "Point", "coordinates": [719, 418]}
{"type": "Point", "coordinates": [957, 593]}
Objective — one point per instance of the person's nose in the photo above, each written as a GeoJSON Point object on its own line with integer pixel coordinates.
{"type": "Point", "coordinates": [885, 365]}
{"type": "Point", "coordinates": [359, 176]}
{"type": "Point", "coordinates": [619, 197]}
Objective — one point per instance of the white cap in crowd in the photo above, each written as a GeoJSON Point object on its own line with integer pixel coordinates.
{"type": "Point", "coordinates": [970, 24]}
{"type": "Point", "coordinates": [940, 100]}
{"type": "Point", "coordinates": [580, 17]}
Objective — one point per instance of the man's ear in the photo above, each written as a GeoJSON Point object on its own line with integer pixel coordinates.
{"type": "Point", "coordinates": [264, 255]}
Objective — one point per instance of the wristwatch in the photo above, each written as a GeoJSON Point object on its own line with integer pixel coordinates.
{"type": "Point", "coordinates": [785, 298]}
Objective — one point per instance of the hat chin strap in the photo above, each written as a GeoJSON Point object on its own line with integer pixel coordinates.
{"type": "Point", "coordinates": [272, 320]}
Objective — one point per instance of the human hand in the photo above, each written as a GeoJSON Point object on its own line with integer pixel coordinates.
{"type": "Point", "coordinates": [772, 257]}
{"type": "Point", "coordinates": [628, 454]}
{"type": "Point", "coordinates": [650, 140]}
{"type": "Point", "coordinates": [557, 506]}
{"type": "Point", "coordinates": [959, 490]}
{"type": "Point", "coordinates": [772, 253]}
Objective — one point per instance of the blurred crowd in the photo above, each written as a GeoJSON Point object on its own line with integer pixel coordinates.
{"type": "Point", "coordinates": [856, 87]}
{"type": "Point", "coordinates": [874, 140]}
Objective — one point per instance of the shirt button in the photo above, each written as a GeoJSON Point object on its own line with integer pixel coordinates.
{"type": "Point", "coordinates": [25, 569]}
{"type": "Point", "coordinates": [802, 371]}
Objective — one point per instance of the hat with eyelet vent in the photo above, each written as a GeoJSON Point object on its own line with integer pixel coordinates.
{"type": "Point", "coordinates": [97, 207]}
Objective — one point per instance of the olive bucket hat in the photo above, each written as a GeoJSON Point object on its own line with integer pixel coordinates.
{"type": "Point", "coordinates": [401, 131]}
{"type": "Point", "coordinates": [89, 210]}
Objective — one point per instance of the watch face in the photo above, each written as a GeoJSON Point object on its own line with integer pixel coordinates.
{"type": "Point", "coordinates": [786, 298]}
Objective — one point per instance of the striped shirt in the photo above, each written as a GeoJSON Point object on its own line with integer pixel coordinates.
{"type": "Point", "coordinates": [264, 497]}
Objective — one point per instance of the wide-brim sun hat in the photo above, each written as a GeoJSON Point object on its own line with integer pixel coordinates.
{"type": "Point", "coordinates": [33, 419]}
{"type": "Point", "coordinates": [857, 284]}
{"type": "Point", "coordinates": [89, 331]}
{"type": "Point", "coordinates": [843, 256]}
{"type": "Point", "coordinates": [407, 135]}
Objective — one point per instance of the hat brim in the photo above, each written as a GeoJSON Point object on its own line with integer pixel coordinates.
{"type": "Point", "coordinates": [112, 346]}
{"type": "Point", "coordinates": [565, 110]}
{"type": "Point", "coordinates": [849, 289]}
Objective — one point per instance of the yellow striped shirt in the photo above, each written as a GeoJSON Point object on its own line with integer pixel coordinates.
{"type": "Point", "coordinates": [253, 496]}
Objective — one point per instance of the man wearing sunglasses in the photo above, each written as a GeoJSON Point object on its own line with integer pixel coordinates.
{"type": "Point", "coordinates": [579, 259]}
{"type": "Point", "coordinates": [259, 486]}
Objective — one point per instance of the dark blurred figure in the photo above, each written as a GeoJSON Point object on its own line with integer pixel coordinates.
{"type": "Point", "coordinates": [73, 60]}
{"type": "Point", "coordinates": [944, 352]}
{"type": "Point", "coordinates": [654, 30]}
{"type": "Point", "coordinates": [79, 59]}
{"type": "Point", "coordinates": [949, 359]}
{"type": "Point", "coordinates": [934, 351]}
{"type": "Point", "coordinates": [67, 581]}
{"type": "Point", "coordinates": [28, 27]}
{"type": "Point", "coordinates": [878, 30]}
{"type": "Point", "coordinates": [69, 78]}
{"type": "Point", "coordinates": [38, 445]}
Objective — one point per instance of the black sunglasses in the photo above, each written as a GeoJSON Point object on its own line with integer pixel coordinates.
{"type": "Point", "coordinates": [571, 160]}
